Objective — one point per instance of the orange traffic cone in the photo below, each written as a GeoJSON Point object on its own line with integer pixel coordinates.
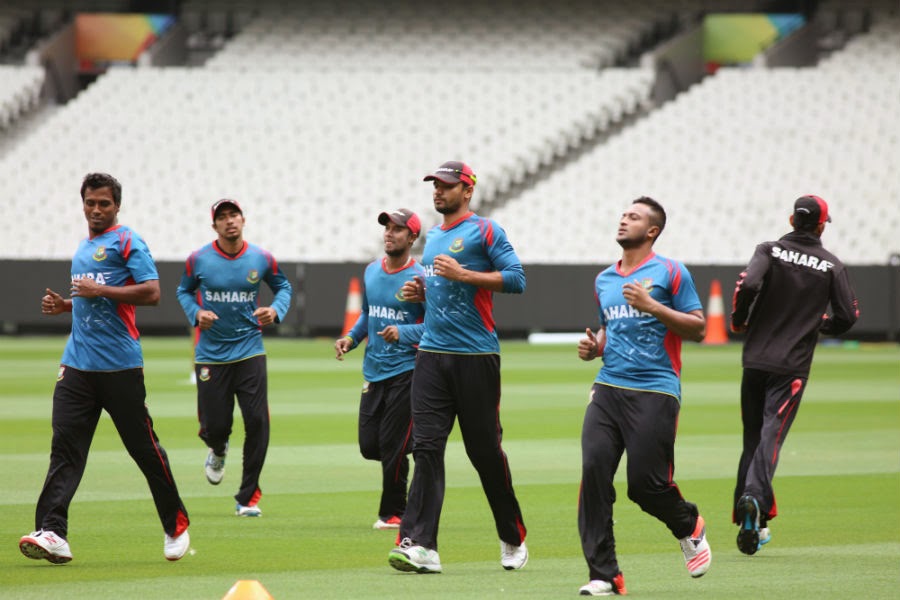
{"type": "Point", "coordinates": [247, 590]}
{"type": "Point", "coordinates": [715, 316]}
{"type": "Point", "coordinates": [354, 306]}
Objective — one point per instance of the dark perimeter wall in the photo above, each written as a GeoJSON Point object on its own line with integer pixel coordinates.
{"type": "Point", "coordinates": [558, 298]}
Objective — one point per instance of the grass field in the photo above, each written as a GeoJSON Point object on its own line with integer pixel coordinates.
{"type": "Point", "coordinates": [838, 487]}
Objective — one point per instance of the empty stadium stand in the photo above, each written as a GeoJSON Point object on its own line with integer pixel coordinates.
{"type": "Point", "coordinates": [318, 114]}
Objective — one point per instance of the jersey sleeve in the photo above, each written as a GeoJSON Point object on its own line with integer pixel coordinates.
{"type": "Point", "coordinates": [187, 289]}
{"type": "Point", "coordinates": [410, 334]}
{"type": "Point", "coordinates": [504, 259]}
{"type": "Point", "coordinates": [844, 306]}
{"type": "Point", "coordinates": [280, 286]}
{"type": "Point", "coordinates": [360, 329]}
{"type": "Point", "coordinates": [684, 293]}
{"type": "Point", "coordinates": [748, 286]}
{"type": "Point", "coordinates": [138, 258]}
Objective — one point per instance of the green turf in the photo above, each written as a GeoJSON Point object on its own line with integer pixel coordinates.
{"type": "Point", "coordinates": [838, 486]}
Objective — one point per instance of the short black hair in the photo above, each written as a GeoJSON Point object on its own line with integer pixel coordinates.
{"type": "Point", "coordinates": [96, 181]}
{"type": "Point", "coordinates": [657, 212]}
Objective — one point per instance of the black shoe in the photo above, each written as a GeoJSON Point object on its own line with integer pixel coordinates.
{"type": "Point", "coordinates": [748, 519]}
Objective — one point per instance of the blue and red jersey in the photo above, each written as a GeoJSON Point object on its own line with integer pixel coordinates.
{"type": "Point", "coordinates": [104, 333]}
{"type": "Point", "coordinates": [641, 353]}
{"type": "Point", "coordinates": [382, 306]}
{"type": "Point", "coordinates": [459, 317]}
{"type": "Point", "coordinates": [229, 286]}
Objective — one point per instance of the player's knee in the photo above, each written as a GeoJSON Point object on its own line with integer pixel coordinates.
{"type": "Point", "coordinates": [369, 451]}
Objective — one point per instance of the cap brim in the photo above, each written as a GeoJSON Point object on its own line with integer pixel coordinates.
{"type": "Point", "coordinates": [443, 178]}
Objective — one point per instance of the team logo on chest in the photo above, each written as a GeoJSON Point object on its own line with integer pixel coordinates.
{"type": "Point", "coordinates": [204, 374]}
{"type": "Point", "coordinates": [647, 283]}
{"type": "Point", "coordinates": [253, 276]}
{"type": "Point", "coordinates": [100, 254]}
{"type": "Point", "coordinates": [457, 246]}
{"type": "Point", "coordinates": [399, 295]}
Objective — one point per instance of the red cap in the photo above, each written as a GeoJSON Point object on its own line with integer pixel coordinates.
{"type": "Point", "coordinates": [403, 217]}
{"type": "Point", "coordinates": [225, 202]}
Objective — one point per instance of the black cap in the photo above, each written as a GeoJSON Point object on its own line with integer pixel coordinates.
{"type": "Point", "coordinates": [810, 211]}
{"type": "Point", "coordinates": [453, 171]}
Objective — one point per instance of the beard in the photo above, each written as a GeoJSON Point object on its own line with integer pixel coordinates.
{"type": "Point", "coordinates": [394, 252]}
{"type": "Point", "coordinates": [629, 243]}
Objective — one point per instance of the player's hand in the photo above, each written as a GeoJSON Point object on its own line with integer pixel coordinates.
{"type": "Point", "coordinates": [588, 346]}
{"type": "Point", "coordinates": [414, 291]}
{"type": "Point", "coordinates": [206, 318]}
{"type": "Point", "coordinates": [52, 303]}
{"type": "Point", "coordinates": [85, 287]}
{"type": "Point", "coordinates": [390, 334]}
{"type": "Point", "coordinates": [265, 315]}
{"type": "Point", "coordinates": [342, 347]}
{"type": "Point", "coordinates": [638, 296]}
{"type": "Point", "coordinates": [448, 267]}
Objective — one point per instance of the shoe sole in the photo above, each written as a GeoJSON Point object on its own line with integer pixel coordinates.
{"type": "Point", "coordinates": [748, 516]}
{"type": "Point", "coordinates": [37, 552]}
{"type": "Point", "coordinates": [179, 557]}
{"type": "Point", "coordinates": [401, 562]}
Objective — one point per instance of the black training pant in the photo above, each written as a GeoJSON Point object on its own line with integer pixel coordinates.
{"type": "Point", "coordinates": [769, 404]}
{"type": "Point", "coordinates": [78, 399]}
{"type": "Point", "coordinates": [466, 387]}
{"type": "Point", "coordinates": [385, 432]}
{"type": "Point", "coordinates": [217, 387]}
{"type": "Point", "coordinates": [642, 424]}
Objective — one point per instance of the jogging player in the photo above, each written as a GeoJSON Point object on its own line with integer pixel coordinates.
{"type": "Point", "coordinates": [780, 301]}
{"type": "Point", "coordinates": [393, 327]}
{"type": "Point", "coordinates": [457, 375]}
{"type": "Point", "coordinates": [647, 305]}
{"type": "Point", "coordinates": [102, 368]}
{"type": "Point", "coordinates": [219, 292]}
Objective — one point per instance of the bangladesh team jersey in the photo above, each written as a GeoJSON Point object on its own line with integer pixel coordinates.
{"type": "Point", "coordinates": [459, 317]}
{"type": "Point", "coordinates": [104, 334]}
{"type": "Point", "coordinates": [641, 353]}
{"type": "Point", "coordinates": [229, 286]}
{"type": "Point", "coordinates": [383, 305]}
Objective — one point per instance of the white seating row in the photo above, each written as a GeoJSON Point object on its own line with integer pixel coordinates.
{"type": "Point", "coordinates": [20, 91]}
{"type": "Point", "coordinates": [304, 149]}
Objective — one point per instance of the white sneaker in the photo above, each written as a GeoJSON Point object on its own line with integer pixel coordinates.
{"type": "Point", "coordinates": [176, 547]}
{"type": "Point", "coordinates": [215, 466]}
{"type": "Point", "coordinates": [247, 511]}
{"type": "Point", "coordinates": [391, 523]}
{"type": "Point", "coordinates": [414, 559]}
{"type": "Point", "coordinates": [513, 557]}
{"type": "Point", "coordinates": [45, 545]}
{"type": "Point", "coordinates": [598, 587]}
{"type": "Point", "coordinates": [696, 550]}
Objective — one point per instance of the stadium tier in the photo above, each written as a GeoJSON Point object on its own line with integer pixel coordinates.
{"type": "Point", "coordinates": [728, 157]}
{"type": "Point", "coordinates": [316, 115]}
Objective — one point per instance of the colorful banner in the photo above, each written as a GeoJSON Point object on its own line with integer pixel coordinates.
{"type": "Point", "coordinates": [737, 38]}
{"type": "Point", "coordinates": [103, 38]}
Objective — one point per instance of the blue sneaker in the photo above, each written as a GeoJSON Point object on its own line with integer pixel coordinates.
{"type": "Point", "coordinates": [247, 511]}
{"type": "Point", "coordinates": [764, 536]}
{"type": "Point", "coordinates": [748, 538]}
